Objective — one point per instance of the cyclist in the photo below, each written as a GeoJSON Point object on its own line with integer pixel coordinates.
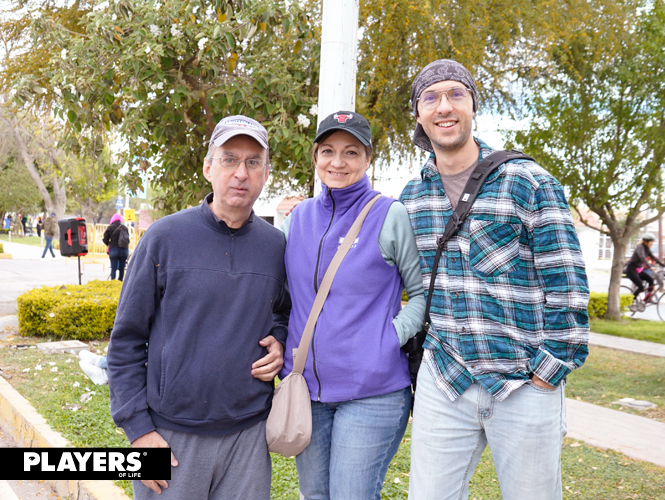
{"type": "Point", "coordinates": [638, 265]}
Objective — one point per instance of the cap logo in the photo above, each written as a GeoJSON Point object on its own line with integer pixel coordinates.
{"type": "Point", "coordinates": [241, 123]}
{"type": "Point", "coordinates": [342, 118]}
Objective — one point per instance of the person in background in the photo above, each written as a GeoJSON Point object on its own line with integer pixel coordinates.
{"type": "Point", "coordinates": [116, 237]}
{"type": "Point", "coordinates": [357, 375]}
{"type": "Point", "coordinates": [638, 266]}
{"type": "Point", "coordinates": [50, 228]}
{"type": "Point", "coordinates": [40, 224]}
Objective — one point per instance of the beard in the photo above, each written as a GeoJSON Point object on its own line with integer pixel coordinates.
{"type": "Point", "coordinates": [450, 143]}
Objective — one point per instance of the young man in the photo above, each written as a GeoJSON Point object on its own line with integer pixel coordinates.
{"type": "Point", "coordinates": [509, 317]}
{"type": "Point", "coordinates": [200, 327]}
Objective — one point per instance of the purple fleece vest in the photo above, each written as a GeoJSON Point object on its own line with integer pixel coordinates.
{"type": "Point", "coordinates": [355, 350]}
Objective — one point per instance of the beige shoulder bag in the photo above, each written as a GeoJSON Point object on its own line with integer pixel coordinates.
{"type": "Point", "coordinates": [289, 425]}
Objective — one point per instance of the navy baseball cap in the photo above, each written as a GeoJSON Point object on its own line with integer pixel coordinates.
{"type": "Point", "coordinates": [348, 121]}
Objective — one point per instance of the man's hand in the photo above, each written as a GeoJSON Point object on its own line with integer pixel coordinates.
{"type": "Point", "coordinates": [269, 365]}
{"type": "Point", "coordinates": [540, 382]}
{"type": "Point", "coordinates": [154, 440]}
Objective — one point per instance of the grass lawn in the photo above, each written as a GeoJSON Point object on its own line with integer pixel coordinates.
{"type": "Point", "coordinates": [588, 473]}
{"type": "Point", "coordinates": [609, 375]}
{"type": "Point", "coordinates": [638, 329]}
{"type": "Point", "coordinates": [27, 240]}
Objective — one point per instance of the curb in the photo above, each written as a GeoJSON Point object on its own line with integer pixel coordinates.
{"type": "Point", "coordinates": [29, 430]}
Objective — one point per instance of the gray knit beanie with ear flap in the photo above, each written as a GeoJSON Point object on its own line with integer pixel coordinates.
{"type": "Point", "coordinates": [438, 71]}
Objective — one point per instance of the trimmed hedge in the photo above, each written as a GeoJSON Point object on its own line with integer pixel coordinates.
{"type": "Point", "coordinates": [82, 312]}
{"type": "Point", "coordinates": [2, 248]}
{"type": "Point", "coordinates": [598, 304]}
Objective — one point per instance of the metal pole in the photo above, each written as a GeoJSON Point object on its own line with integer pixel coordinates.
{"type": "Point", "coordinates": [79, 258]}
{"type": "Point", "coordinates": [337, 76]}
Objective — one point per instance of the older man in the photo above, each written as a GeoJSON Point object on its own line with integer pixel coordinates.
{"type": "Point", "coordinates": [508, 316]}
{"type": "Point", "coordinates": [198, 337]}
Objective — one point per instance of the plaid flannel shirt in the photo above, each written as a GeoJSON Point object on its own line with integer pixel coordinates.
{"type": "Point", "coordinates": [511, 293]}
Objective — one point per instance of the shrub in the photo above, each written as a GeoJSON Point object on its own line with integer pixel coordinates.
{"type": "Point", "coordinates": [2, 248]}
{"type": "Point", "coordinates": [598, 304]}
{"type": "Point", "coordinates": [82, 312]}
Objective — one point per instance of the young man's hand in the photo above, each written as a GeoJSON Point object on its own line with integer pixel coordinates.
{"type": "Point", "coordinates": [269, 365]}
{"type": "Point", "coordinates": [540, 382]}
{"type": "Point", "coordinates": [154, 440]}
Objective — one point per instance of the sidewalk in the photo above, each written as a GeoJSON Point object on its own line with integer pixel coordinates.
{"type": "Point", "coordinates": [19, 251]}
{"type": "Point", "coordinates": [636, 437]}
{"type": "Point", "coordinates": [628, 345]}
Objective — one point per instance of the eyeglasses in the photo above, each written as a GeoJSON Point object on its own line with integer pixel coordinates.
{"type": "Point", "coordinates": [232, 163]}
{"type": "Point", "coordinates": [432, 98]}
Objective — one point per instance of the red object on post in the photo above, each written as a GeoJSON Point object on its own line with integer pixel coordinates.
{"type": "Point", "coordinates": [73, 237]}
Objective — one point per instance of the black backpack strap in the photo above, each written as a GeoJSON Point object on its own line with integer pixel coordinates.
{"type": "Point", "coordinates": [476, 180]}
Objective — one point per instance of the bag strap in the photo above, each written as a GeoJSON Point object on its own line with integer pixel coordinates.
{"type": "Point", "coordinates": [476, 180]}
{"type": "Point", "coordinates": [326, 283]}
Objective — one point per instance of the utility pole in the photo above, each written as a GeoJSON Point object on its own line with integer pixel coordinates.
{"type": "Point", "coordinates": [337, 76]}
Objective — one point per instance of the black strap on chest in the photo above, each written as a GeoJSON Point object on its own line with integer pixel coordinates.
{"type": "Point", "coordinates": [476, 180]}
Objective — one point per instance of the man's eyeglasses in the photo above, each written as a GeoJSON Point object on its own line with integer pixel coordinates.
{"type": "Point", "coordinates": [232, 163]}
{"type": "Point", "coordinates": [432, 98]}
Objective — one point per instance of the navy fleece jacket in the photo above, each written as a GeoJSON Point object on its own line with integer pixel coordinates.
{"type": "Point", "coordinates": [201, 298]}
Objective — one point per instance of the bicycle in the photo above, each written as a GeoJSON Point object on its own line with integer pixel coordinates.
{"type": "Point", "coordinates": [645, 298]}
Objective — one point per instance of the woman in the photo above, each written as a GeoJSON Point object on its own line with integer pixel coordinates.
{"type": "Point", "coordinates": [116, 237]}
{"type": "Point", "coordinates": [638, 265]}
{"type": "Point", "coordinates": [357, 375]}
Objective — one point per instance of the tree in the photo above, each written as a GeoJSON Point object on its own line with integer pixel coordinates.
{"type": "Point", "coordinates": [17, 191]}
{"type": "Point", "coordinates": [500, 42]}
{"type": "Point", "coordinates": [34, 143]}
{"type": "Point", "coordinates": [92, 184]}
{"type": "Point", "coordinates": [165, 74]}
{"type": "Point", "coordinates": [599, 120]}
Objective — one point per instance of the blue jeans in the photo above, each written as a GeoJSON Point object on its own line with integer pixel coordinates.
{"type": "Point", "coordinates": [48, 246]}
{"type": "Point", "coordinates": [352, 445]}
{"type": "Point", "coordinates": [525, 433]}
{"type": "Point", "coordinates": [118, 258]}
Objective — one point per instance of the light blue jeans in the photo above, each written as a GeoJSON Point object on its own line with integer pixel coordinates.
{"type": "Point", "coordinates": [352, 445]}
{"type": "Point", "coordinates": [524, 432]}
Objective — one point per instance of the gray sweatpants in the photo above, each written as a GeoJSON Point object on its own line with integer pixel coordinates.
{"type": "Point", "coordinates": [235, 467]}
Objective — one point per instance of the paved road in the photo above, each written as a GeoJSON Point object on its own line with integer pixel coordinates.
{"type": "Point", "coordinates": [26, 270]}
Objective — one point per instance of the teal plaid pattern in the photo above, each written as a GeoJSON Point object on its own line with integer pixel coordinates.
{"type": "Point", "coordinates": [511, 291]}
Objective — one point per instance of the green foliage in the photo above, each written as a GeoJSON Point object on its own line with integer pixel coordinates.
{"type": "Point", "coordinates": [587, 473]}
{"type": "Point", "coordinates": [598, 304]}
{"type": "Point", "coordinates": [27, 240]}
{"type": "Point", "coordinates": [18, 192]}
{"type": "Point", "coordinates": [638, 329]}
{"type": "Point", "coordinates": [70, 312]}
{"type": "Point", "coordinates": [598, 119]}
{"type": "Point", "coordinates": [496, 41]}
{"type": "Point", "coordinates": [164, 74]}
{"type": "Point", "coordinates": [2, 248]}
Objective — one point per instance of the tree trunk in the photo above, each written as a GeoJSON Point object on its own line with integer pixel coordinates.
{"type": "Point", "coordinates": [613, 306]}
{"type": "Point", "coordinates": [28, 160]}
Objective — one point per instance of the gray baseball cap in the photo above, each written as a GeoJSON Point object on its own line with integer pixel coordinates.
{"type": "Point", "coordinates": [239, 125]}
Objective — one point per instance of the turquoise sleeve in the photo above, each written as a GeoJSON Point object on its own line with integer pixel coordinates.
{"type": "Point", "coordinates": [285, 226]}
{"type": "Point", "coordinates": [398, 247]}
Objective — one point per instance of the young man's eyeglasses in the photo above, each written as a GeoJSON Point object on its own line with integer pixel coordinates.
{"type": "Point", "coordinates": [432, 98]}
{"type": "Point", "coordinates": [232, 163]}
